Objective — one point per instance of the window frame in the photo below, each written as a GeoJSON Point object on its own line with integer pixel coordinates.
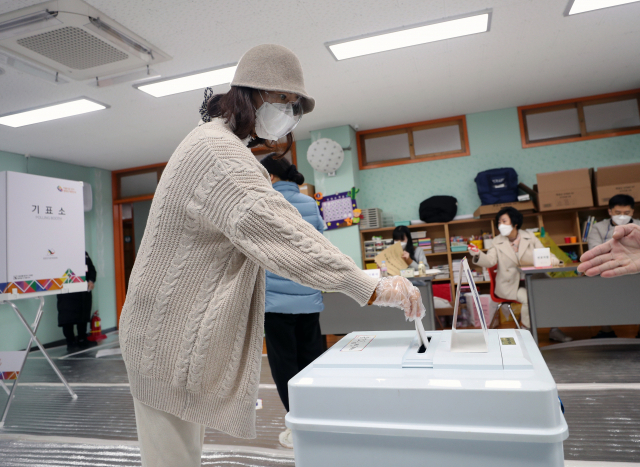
{"type": "Point", "coordinates": [410, 128]}
{"type": "Point", "coordinates": [578, 103]}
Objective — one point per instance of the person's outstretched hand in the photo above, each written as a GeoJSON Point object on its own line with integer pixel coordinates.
{"type": "Point", "coordinates": [617, 257]}
{"type": "Point", "coordinates": [398, 292]}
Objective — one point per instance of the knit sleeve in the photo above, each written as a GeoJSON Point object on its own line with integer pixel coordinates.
{"type": "Point", "coordinates": [237, 199]}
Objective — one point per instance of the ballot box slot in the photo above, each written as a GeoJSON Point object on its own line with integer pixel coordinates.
{"type": "Point", "coordinates": [422, 348]}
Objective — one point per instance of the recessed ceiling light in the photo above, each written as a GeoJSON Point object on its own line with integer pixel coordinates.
{"type": "Point", "coordinates": [188, 82]}
{"type": "Point", "coordinates": [50, 112]}
{"type": "Point", "coordinates": [415, 35]}
{"type": "Point", "coordinates": [582, 6]}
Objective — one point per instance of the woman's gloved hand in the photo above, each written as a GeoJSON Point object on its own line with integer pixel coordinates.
{"type": "Point", "coordinates": [473, 249]}
{"type": "Point", "coordinates": [398, 292]}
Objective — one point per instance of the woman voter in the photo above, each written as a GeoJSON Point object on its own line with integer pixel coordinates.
{"type": "Point", "coordinates": [411, 255]}
{"type": "Point", "coordinates": [512, 249]}
{"type": "Point", "coordinates": [192, 326]}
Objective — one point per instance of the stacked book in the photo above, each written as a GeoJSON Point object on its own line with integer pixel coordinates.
{"type": "Point", "coordinates": [458, 244]}
{"type": "Point", "coordinates": [587, 227]}
{"type": "Point", "coordinates": [425, 244]}
{"type": "Point", "coordinates": [444, 271]}
{"type": "Point", "coordinates": [439, 245]}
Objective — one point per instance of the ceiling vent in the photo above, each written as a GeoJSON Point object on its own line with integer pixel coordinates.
{"type": "Point", "coordinates": [76, 40]}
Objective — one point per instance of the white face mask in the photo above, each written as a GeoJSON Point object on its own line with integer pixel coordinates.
{"type": "Point", "coordinates": [403, 245]}
{"type": "Point", "coordinates": [505, 229]}
{"type": "Point", "coordinates": [621, 219]}
{"type": "Point", "coordinates": [274, 121]}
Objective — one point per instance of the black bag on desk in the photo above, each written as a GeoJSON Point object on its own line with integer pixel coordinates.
{"type": "Point", "coordinates": [497, 186]}
{"type": "Point", "coordinates": [438, 209]}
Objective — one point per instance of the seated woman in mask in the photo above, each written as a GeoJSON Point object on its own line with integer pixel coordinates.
{"type": "Point", "coordinates": [511, 249]}
{"type": "Point", "coordinates": [411, 255]}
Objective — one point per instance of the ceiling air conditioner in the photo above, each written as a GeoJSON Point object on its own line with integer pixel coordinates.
{"type": "Point", "coordinates": [76, 40]}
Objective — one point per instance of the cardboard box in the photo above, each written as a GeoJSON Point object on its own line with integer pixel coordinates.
{"type": "Point", "coordinates": [307, 189]}
{"type": "Point", "coordinates": [490, 210]}
{"type": "Point", "coordinates": [565, 190]}
{"type": "Point", "coordinates": [617, 180]}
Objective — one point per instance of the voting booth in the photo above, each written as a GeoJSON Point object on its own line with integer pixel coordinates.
{"type": "Point", "coordinates": [451, 398]}
{"type": "Point", "coordinates": [42, 253]}
{"type": "Point", "coordinates": [42, 247]}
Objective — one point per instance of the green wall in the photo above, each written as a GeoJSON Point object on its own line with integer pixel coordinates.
{"type": "Point", "coordinates": [494, 139]}
{"type": "Point", "coordinates": [98, 243]}
{"type": "Point", "coordinates": [346, 239]}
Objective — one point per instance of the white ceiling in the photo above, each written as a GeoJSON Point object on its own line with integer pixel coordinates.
{"type": "Point", "coordinates": [532, 54]}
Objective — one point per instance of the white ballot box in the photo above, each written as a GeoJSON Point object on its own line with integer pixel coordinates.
{"type": "Point", "coordinates": [42, 236]}
{"type": "Point", "coordinates": [373, 400]}
{"type": "Point", "coordinates": [468, 398]}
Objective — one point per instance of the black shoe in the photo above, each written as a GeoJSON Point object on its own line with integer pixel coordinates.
{"type": "Point", "coordinates": [73, 347]}
{"type": "Point", "coordinates": [605, 335]}
{"type": "Point", "coordinates": [86, 344]}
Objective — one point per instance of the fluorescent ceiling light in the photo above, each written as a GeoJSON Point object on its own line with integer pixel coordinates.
{"type": "Point", "coordinates": [51, 112]}
{"type": "Point", "coordinates": [582, 6]}
{"type": "Point", "coordinates": [416, 35]}
{"type": "Point", "coordinates": [200, 80]}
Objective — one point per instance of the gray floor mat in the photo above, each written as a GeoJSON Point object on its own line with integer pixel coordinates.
{"type": "Point", "coordinates": [107, 413]}
{"type": "Point", "coordinates": [28, 454]}
{"type": "Point", "coordinates": [603, 425]}
{"type": "Point", "coordinates": [595, 364]}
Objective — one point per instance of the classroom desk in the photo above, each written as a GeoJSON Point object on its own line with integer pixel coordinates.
{"type": "Point", "coordinates": [343, 315]}
{"type": "Point", "coordinates": [580, 301]}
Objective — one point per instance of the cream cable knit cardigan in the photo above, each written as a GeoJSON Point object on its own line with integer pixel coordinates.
{"type": "Point", "coordinates": [192, 326]}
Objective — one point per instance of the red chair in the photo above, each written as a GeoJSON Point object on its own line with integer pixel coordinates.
{"type": "Point", "coordinates": [500, 301]}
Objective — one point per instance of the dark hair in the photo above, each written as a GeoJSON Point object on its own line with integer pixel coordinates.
{"type": "Point", "coordinates": [236, 107]}
{"type": "Point", "coordinates": [282, 168]}
{"type": "Point", "coordinates": [401, 232]}
{"type": "Point", "coordinates": [514, 215]}
{"type": "Point", "coordinates": [621, 200]}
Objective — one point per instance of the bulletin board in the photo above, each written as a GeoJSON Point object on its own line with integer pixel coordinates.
{"type": "Point", "coordinates": [338, 210]}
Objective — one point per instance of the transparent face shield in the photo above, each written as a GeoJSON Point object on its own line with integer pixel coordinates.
{"type": "Point", "coordinates": [275, 120]}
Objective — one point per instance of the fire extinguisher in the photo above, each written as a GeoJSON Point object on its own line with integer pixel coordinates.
{"type": "Point", "coordinates": [96, 328]}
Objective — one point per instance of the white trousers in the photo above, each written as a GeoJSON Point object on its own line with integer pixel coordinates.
{"type": "Point", "coordinates": [167, 441]}
{"type": "Point", "coordinates": [522, 297]}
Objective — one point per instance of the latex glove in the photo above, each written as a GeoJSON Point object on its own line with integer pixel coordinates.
{"type": "Point", "coordinates": [398, 292]}
{"type": "Point", "coordinates": [617, 257]}
{"type": "Point", "coordinates": [407, 258]}
{"type": "Point", "coordinates": [473, 249]}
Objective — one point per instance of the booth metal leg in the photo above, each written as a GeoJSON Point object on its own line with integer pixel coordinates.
{"type": "Point", "coordinates": [33, 338]}
{"type": "Point", "coordinates": [532, 309]}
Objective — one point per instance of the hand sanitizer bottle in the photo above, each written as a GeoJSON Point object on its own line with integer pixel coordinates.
{"type": "Point", "coordinates": [422, 269]}
{"type": "Point", "coordinates": [383, 269]}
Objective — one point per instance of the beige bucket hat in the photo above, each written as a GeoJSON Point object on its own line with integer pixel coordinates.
{"type": "Point", "coordinates": [273, 67]}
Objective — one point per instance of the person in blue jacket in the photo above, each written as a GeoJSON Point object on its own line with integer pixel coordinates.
{"type": "Point", "coordinates": [292, 311]}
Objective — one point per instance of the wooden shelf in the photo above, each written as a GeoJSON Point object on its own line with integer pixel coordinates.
{"type": "Point", "coordinates": [571, 244]}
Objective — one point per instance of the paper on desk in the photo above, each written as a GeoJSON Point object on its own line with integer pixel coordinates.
{"type": "Point", "coordinates": [393, 258]}
{"type": "Point", "coordinates": [107, 352]}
